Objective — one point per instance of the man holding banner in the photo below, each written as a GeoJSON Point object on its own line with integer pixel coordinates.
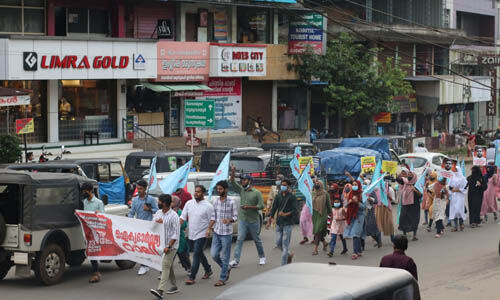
{"type": "Point", "coordinates": [143, 207]}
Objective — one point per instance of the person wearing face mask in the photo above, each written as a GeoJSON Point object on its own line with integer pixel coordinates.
{"type": "Point", "coordinates": [337, 227]}
{"type": "Point", "coordinates": [355, 216]}
{"type": "Point", "coordinates": [429, 196]}
{"type": "Point", "coordinates": [275, 190]}
{"type": "Point", "coordinates": [285, 206]}
{"type": "Point", "coordinates": [409, 218]}
{"type": "Point", "coordinates": [440, 193]}
{"type": "Point", "coordinates": [91, 203]}
{"type": "Point", "coordinates": [249, 219]}
{"type": "Point", "coordinates": [489, 204]}
{"type": "Point", "coordinates": [322, 207]}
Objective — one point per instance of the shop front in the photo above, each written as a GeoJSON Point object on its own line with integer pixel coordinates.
{"type": "Point", "coordinates": [75, 85]}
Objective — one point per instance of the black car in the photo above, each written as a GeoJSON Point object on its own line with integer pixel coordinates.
{"type": "Point", "coordinates": [212, 157]}
{"type": "Point", "coordinates": [307, 149]}
{"type": "Point", "coordinates": [137, 164]}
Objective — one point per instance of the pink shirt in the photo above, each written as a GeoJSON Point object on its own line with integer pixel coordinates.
{"type": "Point", "coordinates": [338, 221]}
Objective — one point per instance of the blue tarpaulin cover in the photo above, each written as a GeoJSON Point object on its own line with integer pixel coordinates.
{"type": "Point", "coordinates": [336, 161]}
{"type": "Point", "coordinates": [115, 190]}
{"type": "Point", "coordinates": [380, 145]}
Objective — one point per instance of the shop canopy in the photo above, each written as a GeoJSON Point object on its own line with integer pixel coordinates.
{"type": "Point", "coordinates": [159, 88]}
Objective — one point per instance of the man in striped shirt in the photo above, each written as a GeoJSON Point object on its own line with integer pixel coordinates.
{"type": "Point", "coordinates": [170, 221]}
{"type": "Point", "coordinates": [224, 215]}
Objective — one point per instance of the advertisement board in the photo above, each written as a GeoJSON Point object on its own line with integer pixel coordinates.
{"type": "Point", "coordinates": [183, 61]}
{"type": "Point", "coordinates": [229, 60]}
{"type": "Point", "coordinates": [305, 31]}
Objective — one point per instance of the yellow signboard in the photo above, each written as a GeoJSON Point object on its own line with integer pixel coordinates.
{"type": "Point", "coordinates": [303, 161]}
{"type": "Point", "coordinates": [368, 164]}
{"type": "Point", "coordinates": [390, 167]}
{"type": "Point", "coordinates": [24, 126]}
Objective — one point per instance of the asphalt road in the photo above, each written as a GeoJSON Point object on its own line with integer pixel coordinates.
{"type": "Point", "coordinates": [461, 265]}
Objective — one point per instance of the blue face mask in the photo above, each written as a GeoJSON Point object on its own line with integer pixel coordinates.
{"type": "Point", "coordinates": [440, 178]}
{"type": "Point", "coordinates": [354, 187]}
{"type": "Point", "coordinates": [336, 205]}
{"type": "Point", "coordinates": [278, 182]}
{"type": "Point", "coordinates": [283, 188]}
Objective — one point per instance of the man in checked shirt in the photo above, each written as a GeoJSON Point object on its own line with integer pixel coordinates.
{"type": "Point", "coordinates": [224, 215]}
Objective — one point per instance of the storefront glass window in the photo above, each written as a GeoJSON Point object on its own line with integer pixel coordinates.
{"type": "Point", "coordinates": [18, 16]}
{"type": "Point", "coordinates": [253, 25]}
{"type": "Point", "coordinates": [37, 110]}
{"type": "Point", "coordinates": [86, 105]}
{"type": "Point", "coordinates": [292, 108]}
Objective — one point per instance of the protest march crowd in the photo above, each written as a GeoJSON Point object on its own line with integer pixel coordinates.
{"type": "Point", "coordinates": [360, 209]}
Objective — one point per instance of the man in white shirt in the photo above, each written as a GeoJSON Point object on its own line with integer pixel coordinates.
{"type": "Point", "coordinates": [224, 215]}
{"type": "Point", "coordinates": [198, 213]}
{"type": "Point", "coordinates": [170, 221]}
{"type": "Point", "coordinates": [420, 148]}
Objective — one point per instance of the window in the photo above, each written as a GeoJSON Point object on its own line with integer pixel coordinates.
{"type": "Point", "coordinates": [437, 160]}
{"type": "Point", "coordinates": [82, 21]}
{"type": "Point", "coordinates": [116, 170]}
{"type": "Point", "coordinates": [248, 166]}
{"type": "Point", "coordinates": [24, 17]}
{"type": "Point", "coordinates": [253, 25]}
{"type": "Point", "coordinates": [103, 171]}
{"type": "Point", "coordinates": [145, 162]}
{"type": "Point", "coordinates": [89, 170]}
{"type": "Point", "coordinates": [417, 162]}
{"type": "Point", "coordinates": [54, 196]}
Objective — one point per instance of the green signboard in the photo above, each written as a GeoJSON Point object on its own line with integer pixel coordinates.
{"type": "Point", "coordinates": [199, 113]}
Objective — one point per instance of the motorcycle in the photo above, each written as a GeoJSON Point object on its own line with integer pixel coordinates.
{"type": "Point", "coordinates": [45, 154]}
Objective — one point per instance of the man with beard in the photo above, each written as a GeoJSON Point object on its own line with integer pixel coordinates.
{"type": "Point", "coordinates": [198, 213]}
{"type": "Point", "coordinates": [224, 215]}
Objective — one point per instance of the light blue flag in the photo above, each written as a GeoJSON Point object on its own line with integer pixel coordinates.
{"type": "Point", "coordinates": [222, 173]}
{"type": "Point", "coordinates": [176, 180]}
{"type": "Point", "coordinates": [411, 165]}
{"type": "Point", "coordinates": [378, 171]}
{"type": "Point", "coordinates": [305, 185]}
{"type": "Point", "coordinates": [373, 186]}
{"type": "Point", "coordinates": [497, 156]}
{"type": "Point", "coordinates": [462, 166]}
{"type": "Point", "coordinates": [419, 185]}
{"type": "Point", "coordinates": [294, 163]}
{"type": "Point", "coordinates": [152, 181]}
{"type": "Point", "coordinates": [383, 193]}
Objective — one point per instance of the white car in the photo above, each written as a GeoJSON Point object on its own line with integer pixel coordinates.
{"type": "Point", "coordinates": [423, 160]}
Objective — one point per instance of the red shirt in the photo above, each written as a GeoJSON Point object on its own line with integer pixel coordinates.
{"type": "Point", "coordinates": [185, 197]}
{"type": "Point", "coordinates": [399, 260]}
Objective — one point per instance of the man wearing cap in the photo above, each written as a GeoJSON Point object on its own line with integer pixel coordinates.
{"type": "Point", "coordinates": [249, 219]}
{"type": "Point", "coordinates": [143, 208]}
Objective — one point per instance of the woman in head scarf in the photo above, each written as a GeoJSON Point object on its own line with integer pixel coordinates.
{"type": "Point", "coordinates": [458, 186]}
{"type": "Point", "coordinates": [428, 202]}
{"type": "Point", "coordinates": [409, 218]}
{"type": "Point", "coordinates": [322, 207]}
{"type": "Point", "coordinates": [490, 195]}
{"type": "Point", "coordinates": [355, 216]}
{"type": "Point", "coordinates": [371, 228]}
{"type": "Point", "coordinates": [439, 193]}
{"type": "Point", "coordinates": [477, 185]}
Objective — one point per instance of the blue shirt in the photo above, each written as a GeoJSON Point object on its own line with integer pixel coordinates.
{"type": "Point", "coordinates": [137, 209]}
{"type": "Point", "coordinates": [93, 205]}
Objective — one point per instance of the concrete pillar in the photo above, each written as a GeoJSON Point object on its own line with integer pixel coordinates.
{"type": "Point", "coordinates": [414, 69]}
{"type": "Point", "coordinates": [450, 123]}
{"type": "Point", "coordinates": [182, 21]}
{"type": "Point", "coordinates": [121, 106]}
{"type": "Point", "coordinates": [276, 27]}
{"type": "Point", "coordinates": [327, 117]}
{"type": "Point", "coordinates": [52, 111]}
{"type": "Point", "coordinates": [432, 125]}
{"type": "Point", "coordinates": [414, 125]}
{"type": "Point", "coordinates": [274, 107]}
{"type": "Point", "coordinates": [234, 24]}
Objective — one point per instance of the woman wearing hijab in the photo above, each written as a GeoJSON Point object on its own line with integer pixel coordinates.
{"type": "Point", "coordinates": [490, 195]}
{"type": "Point", "coordinates": [306, 224]}
{"type": "Point", "coordinates": [409, 218]}
{"type": "Point", "coordinates": [322, 207]}
{"type": "Point", "coordinates": [458, 186]}
{"type": "Point", "coordinates": [439, 191]}
{"type": "Point", "coordinates": [477, 185]}
{"type": "Point", "coordinates": [384, 215]}
{"type": "Point", "coordinates": [427, 201]}
{"type": "Point", "coordinates": [429, 196]}
{"type": "Point", "coordinates": [371, 228]}
{"type": "Point", "coordinates": [355, 216]}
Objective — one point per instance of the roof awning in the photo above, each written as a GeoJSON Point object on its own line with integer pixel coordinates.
{"type": "Point", "coordinates": [159, 88]}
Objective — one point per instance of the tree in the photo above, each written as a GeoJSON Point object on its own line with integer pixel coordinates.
{"type": "Point", "coordinates": [11, 151]}
{"type": "Point", "coordinates": [358, 84]}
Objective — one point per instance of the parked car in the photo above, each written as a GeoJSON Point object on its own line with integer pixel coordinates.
{"type": "Point", "coordinates": [38, 227]}
{"type": "Point", "coordinates": [325, 282]}
{"type": "Point", "coordinates": [211, 157]}
{"type": "Point", "coordinates": [422, 160]}
{"type": "Point", "coordinates": [137, 164]}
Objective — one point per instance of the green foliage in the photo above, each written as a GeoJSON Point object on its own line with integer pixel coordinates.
{"type": "Point", "coordinates": [11, 150]}
{"type": "Point", "coordinates": [358, 84]}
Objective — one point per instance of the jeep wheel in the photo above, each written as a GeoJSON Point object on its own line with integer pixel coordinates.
{"type": "Point", "coordinates": [3, 229]}
{"type": "Point", "coordinates": [50, 264]}
{"type": "Point", "coordinates": [5, 266]}
{"type": "Point", "coordinates": [125, 264]}
{"type": "Point", "coordinates": [76, 258]}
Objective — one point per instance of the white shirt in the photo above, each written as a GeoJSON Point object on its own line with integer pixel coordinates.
{"type": "Point", "coordinates": [172, 226]}
{"type": "Point", "coordinates": [420, 149]}
{"type": "Point", "coordinates": [490, 154]}
{"type": "Point", "coordinates": [198, 215]}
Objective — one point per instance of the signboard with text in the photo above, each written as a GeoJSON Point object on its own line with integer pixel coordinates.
{"type": "Point", "coordinates": [24, 126]}
{"type": "Point", "coordinates": [14, 100]}
{"type": "Point", "coordinates": [232, 61]}
{"type": "Point", "coordinates": [305, 31]}
{"type": "Point", "coordinates": [199, 113]}
{"type": "Point", "coordinates": [183, 61]}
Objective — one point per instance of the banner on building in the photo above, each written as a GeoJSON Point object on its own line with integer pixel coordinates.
{"type": "Point", "coordinates": [368, 164]}
{"type": "Point", "coordinates": [305, 32]}
{"type": "Point", "coordinates": [227, 95]}
{"type": "Point", "coordinates": [14, 100]}
{"type": "Point", "coordinates": [235, 60]}
{"type": "Point", "coordinates": [121, 238]}
{"type": "Point", "coordinates": [183, 61]}
{"type": "Point", "coordinates": [383, 117]}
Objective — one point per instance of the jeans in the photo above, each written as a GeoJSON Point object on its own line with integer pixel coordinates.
{"type": "Point", "coordinates": [439, 226]}
{"type": "Point", "coordinates": [221, 244]}
{"type": "Point", "coordinates": [243, 229]}
{"type": "Point", "coordinates": [199, 256]}
{"type": "Point", "coordinates": [184, 259]}
{"type": "Point", "coordinates": [456, 221]}
{"type": "Point", "coordinates": [426, 216]}
{"type": "Point", "coordinates": [167, 271]}
{"type": "Point", "coordinates": [279, 236]}
{"type": "Point", "coordinates": [333, 242]}
{"type": "Point", "coordinates": [356, 244]}
{"type": "Point", "coordinates": [95, 266]}
{"type": "Point", "coordinates": [285, 233]}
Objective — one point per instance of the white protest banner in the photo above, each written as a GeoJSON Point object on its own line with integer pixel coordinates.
{"type": "Point", "coordinates": [120, 238]}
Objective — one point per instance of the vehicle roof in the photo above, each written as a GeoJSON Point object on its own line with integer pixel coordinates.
{"type": "Point", "coordinates": [336, 140]}
{"type": "Point", "coordinates": [96, 160]}
{"type": "Point", "coordinates": [41, 166]}
{"type": "Point", "coordinates": [160, 154]}
{"type": "Point", "coordinates": [285, 145]}
{"type": "Point", "coordinates": [234, 149]}
{"type": "Point", "coordinates": [426, 155]}
{"type": "Point", "coordinates": [386, 136]}
{"type": "Point", "coordinates": [192, 175]}
{"type": "Point", "coordinates": [251, 154]}
{"type": "Point", "coordinates": [12, 176]}
{"type": "Point", "coordinates": [318, 282]}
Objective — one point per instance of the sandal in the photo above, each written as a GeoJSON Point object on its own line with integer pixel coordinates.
{"type": "Point", "coordinates": [95, 278]}
{"type": "Point", "coordinates": [437, 236]}
{"type": "Point", "coordinates": [454, 230]}
{"type": "Point", "coordinates": [220, 283]}
{"type": "Point", "coordinates": [355, 256]}
{"type": "Point", "coordinates": [190, 282]}
{"type": "Point", "coordinates": [414, 238]}
{"type": "Point", "coordinates": [330, 254]}
{"type": "Point", "coordinates": [305, 240]}
{"type": "Point", "coordinates": [462, 227]}
{"type": "Point", "coordinates": [207, 275]}
{"type": "Point", "coordinates": [315, 252]}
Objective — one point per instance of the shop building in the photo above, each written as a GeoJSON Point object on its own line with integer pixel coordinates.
{"type": "Point", "coordinates": [76, 85]}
